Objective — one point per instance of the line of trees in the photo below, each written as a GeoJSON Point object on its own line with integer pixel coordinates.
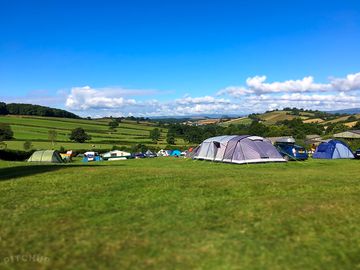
{"type": "Point", "coordinates": [295, 128]}
{"type": "Point", "coordinates": [29, 109]}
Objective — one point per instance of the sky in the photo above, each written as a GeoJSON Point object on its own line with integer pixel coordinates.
{"type": "Point", "coordinates": [175, 58]}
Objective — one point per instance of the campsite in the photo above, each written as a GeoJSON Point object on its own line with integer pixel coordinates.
{"type": "Point", "coordinates": [180, 135]}
{"type": "Point", "coordinates": [227, 201]}
{"type": "Point", "coordinates": [216, 202]}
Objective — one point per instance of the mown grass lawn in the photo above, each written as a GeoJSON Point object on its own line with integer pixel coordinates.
{"type": "Point", "coordinates": [170, 213]}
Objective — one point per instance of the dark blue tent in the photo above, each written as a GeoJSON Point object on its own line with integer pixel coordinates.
{"type": "Point", "coordinates": [332, 149]}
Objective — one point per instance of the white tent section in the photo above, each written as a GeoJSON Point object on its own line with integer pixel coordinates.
{"type": "Point", "coordinates": [116, 155]}
{"type": "Point", "coordinates": [212, 145]}
{"type": "Point", "coordinates": [238, 149]}
{"type": "Point", "coordinates": [163, 153]}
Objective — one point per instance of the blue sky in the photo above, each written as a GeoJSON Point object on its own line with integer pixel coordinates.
{"type": "Point", "coordinates": [180, 57]}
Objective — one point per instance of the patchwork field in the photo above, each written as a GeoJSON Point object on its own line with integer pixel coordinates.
{"type": "Point", "coordinates": [36, 129]}
{"type": "Point", "coordinates": [171, 213]}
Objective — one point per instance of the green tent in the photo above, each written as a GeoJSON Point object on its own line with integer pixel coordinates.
{"type": "Point", "coordinates": [50, 156]}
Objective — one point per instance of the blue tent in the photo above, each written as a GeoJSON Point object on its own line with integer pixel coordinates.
{"type": "Point", "coordinates": [333, 149]}
{"type": "Point", "coordinates": [176, 153]}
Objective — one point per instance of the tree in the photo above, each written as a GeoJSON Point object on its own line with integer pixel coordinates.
{"type": "Point", "coordinates": [113, 124]}
{"type": "Point", "coordinates": [79, 135]}
{"type": "Point", "coordinates": [27, 145]}
{"type": "Point", "coordinates": [357, 125]}
{"type": "Point", "coordinates": [3, 146]}
{"type": "Point", "coordinates": [139, 148]}
{"type": "Point", "coordinates": [52, 135]}
{"type": "Point", "coordinates": [352, 118]}
{"type": "Point", "coordinates": [3, 109]}
{"type": "Point", "coordinates": [155, 135]}
{"type": "Point", "coordinates": [170, 138]}
{"type": "Point", "coordinates": [257, 128]}
{"type": "Point", "coordinates": [5, 132]}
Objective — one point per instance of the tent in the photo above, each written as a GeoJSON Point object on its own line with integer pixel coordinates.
{"type": "Point", "coordinates": [332, 149]}
{"type": "Point", "coordinates": [116, 155]}
{"type": "Point", "coordinates": [50, 156]}
{"type": "Point", "coordinates": [163, 153]}
{"type": "Point", "coordinates": [175, 153]}
{"type": "Point", "coordinates": [238, 149]}
{"type": "Point", "coordinates": [91, 156]}
{"type": "Point", "coordinates": [150, 154]}
{"type": "Point", "coordinates": [192, 152]}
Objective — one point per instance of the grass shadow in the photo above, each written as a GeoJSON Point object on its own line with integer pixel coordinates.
{"type": "Point", "coordinates": [10, 173]}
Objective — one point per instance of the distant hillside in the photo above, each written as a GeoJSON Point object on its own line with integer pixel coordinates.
{"type": "Point", "coordinates": [129, 133]}
{"type": "Point", "coordinates": [36, 110]}
{"type": "Point", "coordinates": [307, 116]}
{"type": "Point", "coordinates": [347, 111]}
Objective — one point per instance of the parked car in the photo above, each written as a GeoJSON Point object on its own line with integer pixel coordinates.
{"type": "Point", "coordinates": [139, 155]}
{"type": "Point", "coordinates": [357, 154]}
{"type": "Point", "coordinates": [291, 151]}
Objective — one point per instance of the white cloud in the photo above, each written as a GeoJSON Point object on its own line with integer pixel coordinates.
{"type": "Point", "coordinates": [350, 83]}
{"type": "Point", "coordinates": [83, 98]}
{"type": "Point", "coordinates": [202, 100]}
{"type": "Point", "coordinates": [299, 100]}
{"type": "Point", "coordinates": [258, 85]}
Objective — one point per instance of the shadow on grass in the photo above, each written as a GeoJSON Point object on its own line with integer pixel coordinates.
{"type": "Point", "coordinates": [22, 171]}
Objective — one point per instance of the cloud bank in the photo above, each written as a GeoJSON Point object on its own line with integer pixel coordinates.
{"type": "Point", "coordinates": [257, 85]}
{"type": "Point", "coordinates": [256, 96]}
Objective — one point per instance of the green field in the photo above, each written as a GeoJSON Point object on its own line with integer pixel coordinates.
{"type": "Point", "coordinates": [169, 213]}
{"type": "Point", "coordinates": [35, 129]}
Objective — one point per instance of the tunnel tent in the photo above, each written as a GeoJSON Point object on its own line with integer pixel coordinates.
{"type": "Point", "coordinates": [238, 149]}
{"type": "Point", "coordinates": [192, 152]}
{"type": "Point", "coordinates": [333, 149]}
{"type": "Point", "coordinates": [48, 156]}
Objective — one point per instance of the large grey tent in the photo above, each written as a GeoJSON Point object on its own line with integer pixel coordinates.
{"type": "Point", "coordinates": [49, 156]}
{"type": "Point", "coordinates": [238, 149]}
{"type": "Point", "coordinates": [192, 152]}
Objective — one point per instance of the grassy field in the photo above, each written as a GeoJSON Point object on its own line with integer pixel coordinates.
{"type": "Point", "coordinates": [36, 130]}
{"type": "Point", "coordinates": [237, 121]}
{"type": "Point", "coordinates": [169, 213]}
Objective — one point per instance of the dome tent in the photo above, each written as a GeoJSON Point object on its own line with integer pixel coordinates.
{"type": "Point", "coordinates": [50, 156]}
{"type": "Point", "coordinates": [333, 149]}
{"type": "Point", "coordinates": [175, 153]}
{"type": "Point", "coordinates": [238, 149]}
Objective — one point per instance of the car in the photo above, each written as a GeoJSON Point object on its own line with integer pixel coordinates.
{"type": "Point", "coordinates": [139, 155]}
{"type": "Point", "coordinates": [357, 154]}
{"type": "Point", "coordinates": [291, 151]}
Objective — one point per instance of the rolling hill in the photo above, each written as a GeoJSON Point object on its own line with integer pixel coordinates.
{"type": "Point", "coordinates": [272, 117]}
{"type": "Point", "coordinates": [36, 128]}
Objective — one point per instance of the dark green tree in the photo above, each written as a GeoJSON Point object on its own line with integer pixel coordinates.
{"type": "Point", "coordinates": [155, 135]}
{"type": "Point", "coordinates": [27, 145]}
{"type": "Point", "coordinates": [357, 126]}
{"type": "Point", "coordinates": [113, 124]}
{"type": "Point", "coordinates": [3, 109]}
{"type": "Point", "coordinates": [5, 132]}
{"type": "Point", "coordinates": [258, 129]}
{"type": "Point", "coordinates": [170, 138]}
{"type": "Point", "coordinates": [79, 135]}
